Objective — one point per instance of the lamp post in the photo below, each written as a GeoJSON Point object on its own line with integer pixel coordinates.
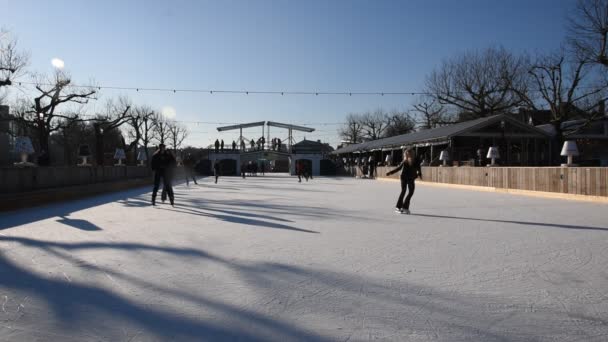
{"type": "Point", "coordinates": [84, 152]}
{"type": "Point", "coordinates": [23, 146]}
{"type": "Point", "coordinates": [120, 155]}
{"type": "Point", "coordinates": [141, 157]}
{"type": "Point", "coordinates": [569, 150]}
{"type": "Point", "coordinates": [493, 154]}
{"type": "Point", "coordinates": [444, 156]}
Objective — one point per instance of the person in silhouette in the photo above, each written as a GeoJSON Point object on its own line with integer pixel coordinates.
{"type": "Point", "coordinates": [233, 145]}
{"type": "Point", "coordinates": [222, 146]}
{"type": "Point", "coordinates": [216, 170]}
{"type": "Point", "coordinates": [162, 163]}
{"type": "Point", "coordinates": [410, 170]}
{"type": "Point", "coordinates": [189, 162]}
{"type": "Point", "coordinates": [217, 146]}
{"type": "Point", "coordinates": [242, 145]}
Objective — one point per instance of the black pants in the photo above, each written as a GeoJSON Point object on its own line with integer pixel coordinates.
{"type": "Point", "coordinates": [189, 172]}
{"type": "Point", "coordinates": [405, 184]}
{"type": "Point", "coordinates": [166, 185]}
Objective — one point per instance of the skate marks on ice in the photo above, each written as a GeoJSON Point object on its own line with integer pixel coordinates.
{"type": "Point", "coordinates": [290, 303]}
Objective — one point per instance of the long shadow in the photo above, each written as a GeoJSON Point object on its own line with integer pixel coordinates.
{"type": "Point", "coordinates": [240, 220]}
{"type": "Point", "coordinates": [62, 209]}
{"type": "Point", "coordinates": [105, 245]}
{"type": "Point", "coordinates": [236, 213]}
{"type": "Point", "coordinates": [554, 225]}
{"type": "Point", "coordinates": [79, 224]}
{"type": "Point", "coordinates": [78, 306]}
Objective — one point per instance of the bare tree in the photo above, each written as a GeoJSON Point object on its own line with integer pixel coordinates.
{"type": "Point", "coordinates": [12, 61]}
{"type": "Point", "coordinates": [177, 134]}
{"type": "Point", "coordinates": [569, 88]}
{"type": "Point", "coordinates": [117, 113]}
{"type": "Point", "coordinates": [161, 128]}
{"type": "Point", "coordinates": [430, 113]}
{"type": "Point", "coordinates": [139, 128]}
{"type": "Point", "coordinates": [352, 131]}
{"type": "Point", "coordinates": [41, 114]}
{"type": "Point", "coordinates": [588, 28]}
{"type": "Point", "coordinates": [481, 83]}
{"type": "Point", "coordinates": [374, 124]}
{"type": "Point", "coordinates": [399, 123]}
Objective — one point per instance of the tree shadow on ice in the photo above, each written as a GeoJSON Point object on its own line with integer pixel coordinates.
{"type": "Point", "coordinates": [78, 307]}
{"type": "Point", "coordinates": [63, 209]}
{"type": "Point", "coordinates": [289, 291]}
{"type": "Point", "coordinates": [250, 222]}
{"type": "Point", "coordinates": [524, 223]}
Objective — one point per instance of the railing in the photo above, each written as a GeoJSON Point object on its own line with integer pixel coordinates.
{"type": "Point", "coordinates": [590, 181]}
{"type": "Point", "coordinates": [14, 179]}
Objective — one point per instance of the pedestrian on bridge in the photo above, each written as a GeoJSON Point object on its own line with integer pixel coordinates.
{"type": "Point", "coordinates": [217, 146]}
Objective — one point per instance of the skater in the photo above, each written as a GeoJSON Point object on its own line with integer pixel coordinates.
{"type": "Point", "coordinates": [162, 163]}
{"type": "Point", "coordinates": [410, 170]}
{"type": "Point", "coordinates": [222, 146]}
{"type": "Point", "coordinates": [301, 171]}
{"type": "Point", "coordinates": [216, 170]}
{"type": "Point", "coordinates": [189, 169]}
{"type": "Point", "coordinates": [372, 166]}
{"type": "Point", "coordinates": [217, 146]}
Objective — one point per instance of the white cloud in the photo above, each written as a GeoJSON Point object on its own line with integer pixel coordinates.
{"type": "Point", "coordinates": [57, 63]}
{"type": "Point", "coordinates": [168, 112]}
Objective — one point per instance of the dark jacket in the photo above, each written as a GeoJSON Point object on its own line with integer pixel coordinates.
{"type": "Point", "coordinates": [408, 171]}
{"type": "Point", "coordinates": [162, 162]}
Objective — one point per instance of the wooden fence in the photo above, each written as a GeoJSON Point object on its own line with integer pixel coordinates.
{"type": "Point", "coordinates": [590, 181]}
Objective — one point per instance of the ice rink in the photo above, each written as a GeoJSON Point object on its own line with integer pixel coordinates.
{"type": "Point", "coordinates": [269, 259]}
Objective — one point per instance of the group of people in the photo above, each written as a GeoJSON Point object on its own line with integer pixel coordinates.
{"type": "Point", "coordinates": [163, 163]}
{"type": "Point", "coordinates": [251, 168]}
{"type": "Point", "coordinates": [219, 145]}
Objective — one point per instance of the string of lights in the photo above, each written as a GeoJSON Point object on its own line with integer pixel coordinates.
{"type": "Point", "coordinates": [245, 92]}
{"type": "Point", "coordinates": [255, 92]}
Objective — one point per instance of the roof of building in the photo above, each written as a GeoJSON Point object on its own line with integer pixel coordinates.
{"type": "Point", "coordinates": [439, 134]}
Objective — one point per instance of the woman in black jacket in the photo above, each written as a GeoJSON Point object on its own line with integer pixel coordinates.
{"type": "Point", "coordinates": [163, 163]}
{"type": "Point", "coordinates": [410, 170]}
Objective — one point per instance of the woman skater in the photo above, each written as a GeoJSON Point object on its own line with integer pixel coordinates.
{"type": "Point", "coordinates": [410, 170]}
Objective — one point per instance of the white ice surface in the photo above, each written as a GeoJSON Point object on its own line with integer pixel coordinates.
{"type": "Point", "coordinates": [267, 258]}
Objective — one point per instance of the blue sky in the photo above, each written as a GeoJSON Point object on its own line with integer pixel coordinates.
{"type": "Point", "coordinates": [272, 45]}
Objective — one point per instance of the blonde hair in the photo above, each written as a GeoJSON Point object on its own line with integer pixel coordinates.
{"type": "Point", "coordinates": [409, 152]}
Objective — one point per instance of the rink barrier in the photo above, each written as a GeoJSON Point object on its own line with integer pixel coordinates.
{"type": "Point", "coordinates": [17, 180]}
{"type": "Point", "coordinates": [558, 182]}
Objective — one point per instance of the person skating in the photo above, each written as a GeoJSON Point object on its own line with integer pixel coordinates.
{"type": "Point", "coordinates": [189, 169]}
{"type": "Point", "coordinates": [410, 170]}
{"type": "Point", "coordinates": [162, 163]}
{"type": "Point", "coordinates": [372, 166]}
{"type": "Point", "coordinates": [216, 170]}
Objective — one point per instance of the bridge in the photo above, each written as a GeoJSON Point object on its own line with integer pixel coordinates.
{"type": "Point", "coordinates": [280, 158]}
